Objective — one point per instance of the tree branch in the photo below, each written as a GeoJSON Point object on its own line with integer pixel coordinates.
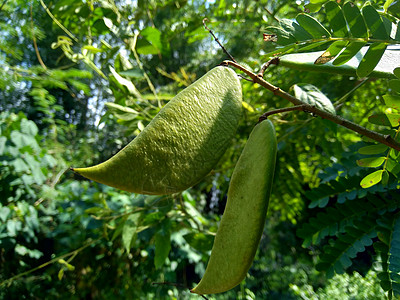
{"type": "Point", "coordinates": [383, 139]}
{"type": "Point", "coordinates": [217, 40]}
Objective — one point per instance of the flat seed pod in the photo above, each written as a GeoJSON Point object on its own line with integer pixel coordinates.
{"type": "Point", "coordinates": [182, 144]}
{"type": "Point", "coordinates": [242, 223]}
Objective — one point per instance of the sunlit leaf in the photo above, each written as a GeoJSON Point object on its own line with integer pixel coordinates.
{"type": "Point", "coordinates": [371, 179]}
{"type": "Point", "coordinates": [348, 53]}
{"type": "Point", "coordinates": [284, 37]}
{"type": "Point", "coordinates": [336, 19]}
{"type": "Point", "coordinates": [247, 106]}
{"type": "Point", "coordinates": [373, 149]}
{"type": "Point", "coordinates": [355, 20]}
{"type": "Point", "coordinates": [313, 96]}
{"type": "Point", "coordinates": [392, 101]}
{"type": "Point", "coordinates": [385, 119]}
{"type": "Point", "coordinates": [331, 52]}
{"type": "Point", "coordinates": [312, 26]}
{"type": "Point", "coordinates": [371, 162]}
{"type": "Point", "coordinates": [132, 73]}
{"type": "Point", "coordinates": [374, 23]}
{"type": "Point", "coordinates": [371, 59]}
{"type": "Point", "coordinates": [121, 108]}
{"type": "Point", "coordinates": [298, 32]}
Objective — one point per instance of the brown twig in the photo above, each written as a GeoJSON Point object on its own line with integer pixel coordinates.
{"type": "Point", "coordinates": [216, 39]}
{"type": "Point", "coordinates": [381, 138]}
{"type": "Point", "coordinates": [272, 61]}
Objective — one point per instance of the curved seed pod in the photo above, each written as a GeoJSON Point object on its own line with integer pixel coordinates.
{"type": "Point", "coordinates": [182, 143]}
{"type": "Point", "coordinates": [242, 223]}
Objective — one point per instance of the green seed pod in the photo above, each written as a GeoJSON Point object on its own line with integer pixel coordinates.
{"type": "Point", "coordinates": [182, 144]}
{"type": "Point", "coordinates": [242, 223]}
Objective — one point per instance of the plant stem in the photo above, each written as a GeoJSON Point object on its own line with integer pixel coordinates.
{"type": "Point", "coordinates": [383, 139]}
{"type": "Point", "coordinates": [217, 40]}
{"type": "Point", "coordinates": [73, 253]}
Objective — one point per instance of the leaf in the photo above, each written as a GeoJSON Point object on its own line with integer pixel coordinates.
{"type": "Point", "coordinates": [313, 96]}
{"type": "Point", "coordinates": [371, 179]}
{"type": "Point", "coordinates": [312, 26]}
{"type": "Point", "coordinates": [392, 101]}
{"type": "Point", "coordinates": [394, 85]}
{"type": "Point", "coordinates": [284, 37]}
{"type": "Point", "coordinates": [298, 32]}
{"type": "Point", "coordinates": [373, 149]}
{"type": "Point", "coordinates": [371, 59]}
{"type": "Point", "coordinates": [351, 50]}
{"type": "Point", "coordinates": [394, 257]}
{"type": "Point", "coordinates": [354, 19]}
{"type": "Point", "coordinates": [163, 247]}
{"type": "Point", "coordinates": [132, 73]}
{"type": "Point", "coordinates": [200, 241]}
{"type": "Point", "coordinates": [391, 120]}
{"type": "Point", "coordinates": [248, 107]}
{"type": "Point", "coordinates": [129, 231]}
{"type": "Point", "coordinates": [121, 108]}
{"type": "Point", "coordinates": [396, 72]}
{"type": "Point", "coordinates": [60, 274]}
{"type": "Point", "coordinates": [371, 162]}
{"type": "Point", "coordinates": [154, 37]}
{"type": "Point", "coordinates": [374, 22]}
{"type": "Point", "coordinates": [127, 83]}
{"type": "Point", "coordinates": [331, 52]}
{"type": "Point", "coordinates": [336, 19]}
{"type": "Point", "coordinates": [306, 61]}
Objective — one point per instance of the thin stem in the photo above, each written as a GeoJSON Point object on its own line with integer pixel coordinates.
{"type": "Point", "coordinates": [49, 262]}
{"type": "Point", "coordinates": [271, 14]}
{"type": "Point", "coordinates": [216, 39]}
{"type": "Point", "coordinates": [35, 44]}
{"type": "Point", "coordinates": [280, 110]}
{"type": "Point", "coordinates": [132, 45]}
{"type": "Point", "coordinates": [57, 22]}
{"type": "Point", "coordinates": [272, 61]}
{"type": "Point", "coordinates": [340, 102]}
{"type": "Point", "coordinates": [383, 139]}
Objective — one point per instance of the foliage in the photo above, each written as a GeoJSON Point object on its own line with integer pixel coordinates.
{"type": "Point", "coordinates": [110, 67]}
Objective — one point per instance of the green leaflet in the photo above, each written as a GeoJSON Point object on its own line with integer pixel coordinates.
{"type": "Point", "coordinates": [373, 149]}
{"type": "Point", "coordinates": [371, 59]}
{"type": "Point", "coordinates": [371, 179]}
{"type": "Point", "coordinates": [336, 19]}
{"type": "Point", "coordinates": [298, 32]}
{"type": "Point", "coordinates": [163, 247]}
{"type": "Point", "coordinates": [371, 162]}
{"type": "Point", "coordinates": [394, 257]}
{"type": "Point", "coordinates": [338, 254]}
{"type": "Point", "coordinates": [390, 120]}
{"type": "Point", "coordinates": [392, 101]}
{"type": "Point", "coordinates": [312, 95]}
{"type": "Point", "coordinates": [346, 63]}
{"type": "Point", "coordinates": [375, 23]}
{"type": "Point", "coordinates": [355, 20]}
{"type": "Point", "coordinates": [351, 50]}
{"type": "Point", "coordinates": [129, 231]}
{"type": "Point", "coordinates": [312, 26]}
{"type": "Point", "coordinates": [331, 52]}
